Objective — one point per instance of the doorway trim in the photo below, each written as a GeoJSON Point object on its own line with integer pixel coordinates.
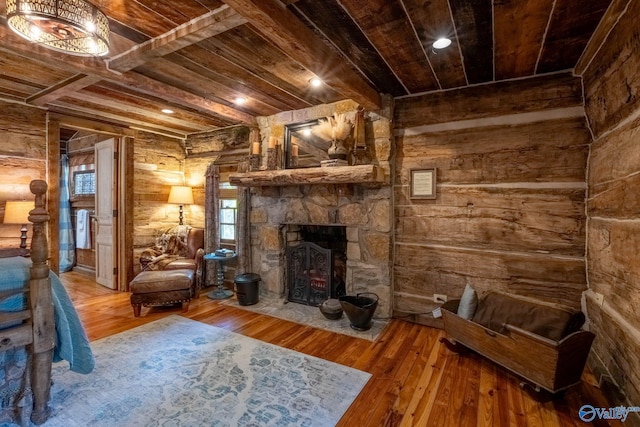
{"type": "Point", "coordinates": [124, 193]}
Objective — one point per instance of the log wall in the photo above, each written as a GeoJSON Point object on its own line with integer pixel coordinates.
{"type": "Point", "coordinates": [611, 85]}
{"type": "Point", "coordinates": [159, 163]}
{"type": "Point", "coordinates": [22, 159]}
{"type": "Point", "coordinates": [509, 212]}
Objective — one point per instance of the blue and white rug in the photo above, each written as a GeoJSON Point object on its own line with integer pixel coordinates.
{"type": "Point", "coordinates": [179, 372]}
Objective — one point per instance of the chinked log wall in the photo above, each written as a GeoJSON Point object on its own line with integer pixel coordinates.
{"type": "Point", "coordinates": [612, 85]}
{"type": "Point", "coordinates": [509, 214]}
{"type": "Point", "coordinates": [22, 159]}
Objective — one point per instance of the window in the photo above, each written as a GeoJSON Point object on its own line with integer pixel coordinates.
{"type": "Point", "coordinates": [228, 212]}
{"type": "Point", "coordinates": [84, 182]}
{"type": "Point", "coordinates": [228, 215]}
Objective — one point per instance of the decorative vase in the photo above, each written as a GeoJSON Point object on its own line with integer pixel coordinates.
{"type": "Point", "coordinates": [337, 150]}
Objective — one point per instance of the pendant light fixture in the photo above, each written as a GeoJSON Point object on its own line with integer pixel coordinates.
{"type": "Point", "coordinates": [75, 27]}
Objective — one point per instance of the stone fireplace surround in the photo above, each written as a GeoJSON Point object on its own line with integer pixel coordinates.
{"type": "Point", "coordinates": [364, 212]}
{"type": "Point", "coordinates": [364, 209]}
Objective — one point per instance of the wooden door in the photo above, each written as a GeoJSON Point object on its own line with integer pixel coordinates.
{"type": "Point", "coordinates": [106, 243]}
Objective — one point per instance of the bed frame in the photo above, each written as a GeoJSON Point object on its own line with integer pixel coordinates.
{"type": "Point", "coordinates": [36, 329]}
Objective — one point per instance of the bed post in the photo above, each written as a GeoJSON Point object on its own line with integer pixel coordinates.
{"type": "Point", "coordinates": [41, 307]}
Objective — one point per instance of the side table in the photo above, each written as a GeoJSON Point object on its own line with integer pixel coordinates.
{"type": "Point", "coordinates": [221, 292]}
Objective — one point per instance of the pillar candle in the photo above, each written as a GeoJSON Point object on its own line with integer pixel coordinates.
{"type": "Point", "coordinates": [294, 150]}
{"type": "Point", "coordinates": [256, 148]}
{"type": "Point", "coordinates": [272, 142]}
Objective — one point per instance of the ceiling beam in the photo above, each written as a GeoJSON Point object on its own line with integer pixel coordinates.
{"type": "Point", "coordinates": [198, 29]}
{"type": "Point", "coordinates": [280, 26]}
{"type": "Point", "coordinates": [94, 68]}
{"type": "Point", "coordinates": [62, 89]}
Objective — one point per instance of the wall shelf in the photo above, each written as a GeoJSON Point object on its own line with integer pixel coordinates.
{"type": "Point", "coordinates": [361, 174]}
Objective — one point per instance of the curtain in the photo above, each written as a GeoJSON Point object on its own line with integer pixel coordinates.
{"type": "Point", "coordinates": [67, 246]}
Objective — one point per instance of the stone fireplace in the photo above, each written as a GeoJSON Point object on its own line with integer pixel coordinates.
{"type": "Point", "coordinates": [364, 213]}
{"type": "Point", "coordinates": [354, 199]}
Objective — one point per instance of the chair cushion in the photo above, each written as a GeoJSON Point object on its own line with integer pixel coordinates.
{"type": "Point", "coordinates": [161, 281]}
{"type": "Point", "coordinates": [181, 264]}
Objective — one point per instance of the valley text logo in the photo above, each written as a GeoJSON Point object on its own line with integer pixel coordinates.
{"type": "Point", "coordinates": [588, 413]}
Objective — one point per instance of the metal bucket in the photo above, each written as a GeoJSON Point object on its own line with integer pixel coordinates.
{"type": "Point", "coordinates": [359, 309]}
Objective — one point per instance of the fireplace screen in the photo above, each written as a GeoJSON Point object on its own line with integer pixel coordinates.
{"type": "Point", "coordinates": [309, 273]}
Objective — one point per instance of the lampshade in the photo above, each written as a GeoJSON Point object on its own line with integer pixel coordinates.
{"type": "Point", "coordinates": [71, 26]}
{"type": "Point", "coordinates": [17, 212]}
{"type": "Point", "coordinates": [181, 195]}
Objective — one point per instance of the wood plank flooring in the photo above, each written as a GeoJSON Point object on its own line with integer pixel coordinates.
{"type": "Point", "coordinates": [415, 380]}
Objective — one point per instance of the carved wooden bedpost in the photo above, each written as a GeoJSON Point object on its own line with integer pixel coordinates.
{"type": "Point", "coordinates": [41, 306]}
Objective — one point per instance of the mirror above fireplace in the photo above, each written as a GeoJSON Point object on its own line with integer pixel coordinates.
{"type": "Point", "coordinates": [301, 142]}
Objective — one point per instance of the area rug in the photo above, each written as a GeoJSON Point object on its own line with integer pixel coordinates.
{"type": "Point", "coordinates": [179, 372]}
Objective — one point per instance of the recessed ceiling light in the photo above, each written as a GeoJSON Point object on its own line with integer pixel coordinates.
{"type": "Point", "coordinates": [240, 100]}
{"type": "Point", "coordinates": [315, 82]}
{"type": "Point", "coordinates": [167, 111]}
{"type": "Point", "coordinates": [441, 43]}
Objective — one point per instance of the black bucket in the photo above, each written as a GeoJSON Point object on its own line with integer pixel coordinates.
{"type": "Point", "coordinates": [247, 289]}
{"type": "Point", "coordinates": [360, 309]}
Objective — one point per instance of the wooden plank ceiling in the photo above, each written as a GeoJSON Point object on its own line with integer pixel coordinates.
{"type": "Point", "coordinates": [196, 57]}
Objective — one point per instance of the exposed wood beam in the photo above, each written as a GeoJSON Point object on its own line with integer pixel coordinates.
{"type": "Point", "coordinates": [616, 9]}
{"type": "Point", "coordinates": [62, 89]}
{"type": "Point", "coordinates": [198, 29]}
{"type": "Point", "coordinates": [280, 26]}
{"type": "Point", "coordinates": [95, 67]}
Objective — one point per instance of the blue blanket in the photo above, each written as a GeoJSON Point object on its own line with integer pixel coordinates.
{"type": "Point", "coordinates": [72, 344]}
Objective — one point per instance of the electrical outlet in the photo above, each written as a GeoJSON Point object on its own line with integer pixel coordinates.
{"type": "Point", "coordinates": [439, 298]}
{"type": "Point", "coordinates": [598, 298]}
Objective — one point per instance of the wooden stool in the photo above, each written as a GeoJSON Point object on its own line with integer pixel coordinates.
{"type": "Point", "coordinates": [165, 287]}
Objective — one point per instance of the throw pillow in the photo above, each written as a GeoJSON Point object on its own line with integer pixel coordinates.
{"type": "Point", "coordinates": [468, 303]}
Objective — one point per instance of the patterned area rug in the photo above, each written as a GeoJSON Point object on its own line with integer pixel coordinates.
{"type": "Point", "coordinates": [179, 372]}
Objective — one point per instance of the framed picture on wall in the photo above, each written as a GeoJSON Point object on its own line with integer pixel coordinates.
{"type": "Point", "coordinates": [423, 183]}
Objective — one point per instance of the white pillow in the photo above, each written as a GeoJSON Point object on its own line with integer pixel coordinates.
{"type": "Point", "coordinates": [468, 303]}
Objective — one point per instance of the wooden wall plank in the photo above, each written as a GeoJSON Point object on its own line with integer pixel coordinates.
{"type": "Point", "coordinates": [549, 220]}
{"type": "Point", "coordinates": [617, 348]}
{"type": "Point", "coordinates": [613, 268]}
{"type": "Point", "coordinates": [611, 84]}
{"type": "Point", "coordinates": [490, 100]}
{"type": "Point", "coordinates": [543, 277]}
{"type": "Point", "coordinates": [611, 99]}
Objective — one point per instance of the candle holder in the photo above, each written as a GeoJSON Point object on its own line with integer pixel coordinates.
{"type": "Point", "coordinates": [254, 162]}
{"type": "Point", "coordinates": [272, 158]}
{"type": "Point", "coordinates": [294, 161]}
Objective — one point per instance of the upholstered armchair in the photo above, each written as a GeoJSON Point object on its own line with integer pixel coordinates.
{"type": "Point", "coordinates": [181, 247]}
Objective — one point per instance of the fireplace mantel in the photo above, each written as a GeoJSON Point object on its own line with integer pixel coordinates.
{"type": "Point", "coordinates": [361, 174]}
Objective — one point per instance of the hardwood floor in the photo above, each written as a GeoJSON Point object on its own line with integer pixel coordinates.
{"type": "Point", "coordinates": [416, 381]}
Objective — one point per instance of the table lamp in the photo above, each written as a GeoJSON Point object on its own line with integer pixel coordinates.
{"type": "Point", "coordinates": [181, 195]}
{"type": "Point", "coordinates": [17, 212]}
